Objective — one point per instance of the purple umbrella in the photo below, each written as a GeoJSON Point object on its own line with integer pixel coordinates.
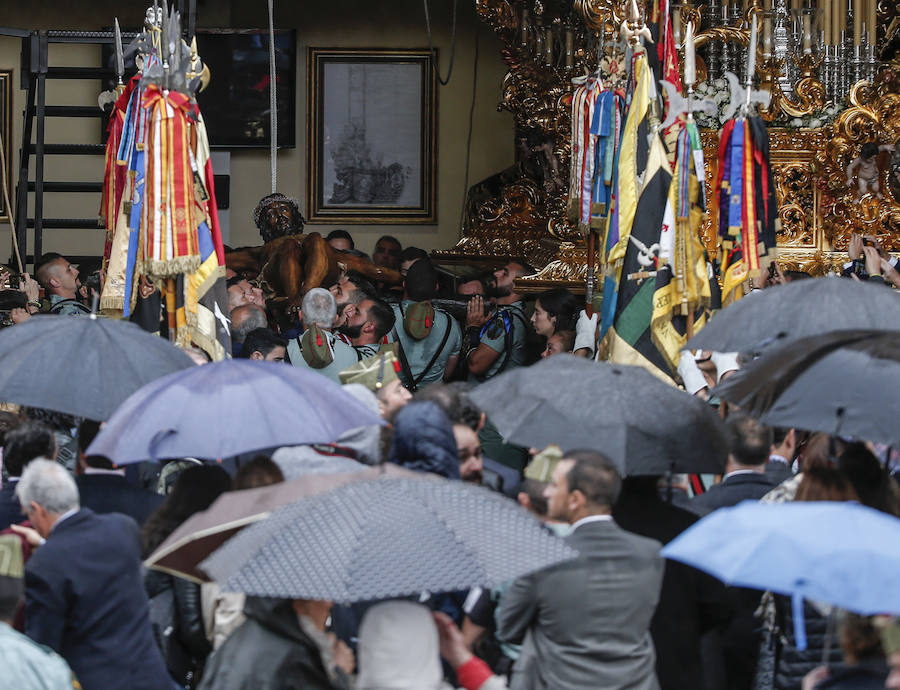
{"type": "Point", "coordinates": [227, 408]}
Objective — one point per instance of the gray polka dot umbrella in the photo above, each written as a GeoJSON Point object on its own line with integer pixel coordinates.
{"type": "Point", "coordinates": [386, 537]}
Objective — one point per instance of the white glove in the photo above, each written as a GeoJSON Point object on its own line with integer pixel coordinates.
{"type": "Point", "coordinates": [690, 373]}
{"type": "Point", "coordinates": [585, 331]}
{"type": "Point", "coordinates": [725, 362]}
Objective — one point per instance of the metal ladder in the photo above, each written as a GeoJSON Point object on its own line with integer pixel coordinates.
{"type": "Point", "coordinates": [35, 72]}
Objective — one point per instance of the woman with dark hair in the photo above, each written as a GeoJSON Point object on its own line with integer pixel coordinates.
{"type": "Point", "coordinates": [554, 310]}
{"type": "Point", "coordinates": [825, 484]}
{"type": "Point", "coordinates": [175, 609]}
{"type": "Point", "coordinates": [864, 666]}
{"type": "Point", "coordinates": [786, 666]}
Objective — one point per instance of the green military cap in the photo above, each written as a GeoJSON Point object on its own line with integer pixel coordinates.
{"type": "Point", "coordinates": [542, 465]}
{"type": "Point", "coordinates": [316, 347]}
{"type": "Point", "coordinates": [373, 372]}
{"type": "Point", "coordinates": [11, 562]}
{"type": "Point", "coordinates": [890, 635]}
{"type": "Point", "coordinates": [418, 319]}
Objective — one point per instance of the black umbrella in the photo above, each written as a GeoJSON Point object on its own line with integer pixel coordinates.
{"type": "Point", "coordinates": [644, 425]}
{"type": "Point", "coordinates": [384, 537]}
{"type": "Point", "coordinates": [81, 365]}
{"type": "Point", "coordinates": [796, 310]}
{"type": "Point", "coordinates": [846, 382]}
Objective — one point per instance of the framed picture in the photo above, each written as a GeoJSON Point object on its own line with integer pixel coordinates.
{"type": "Point", "coordinates": [371, 136]}
{"type": "Point", "coordinates": [6, 132]}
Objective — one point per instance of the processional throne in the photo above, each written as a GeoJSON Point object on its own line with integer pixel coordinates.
{"type": "Point", "coordinates": [834, 85]}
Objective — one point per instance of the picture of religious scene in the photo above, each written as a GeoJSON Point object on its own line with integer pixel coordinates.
{"type": "Point", "coordinates": [362, 178]}
{"type": "Point", "coordinates": [373, 139]}
{"type": "Point", "coordinates": [372, 129]}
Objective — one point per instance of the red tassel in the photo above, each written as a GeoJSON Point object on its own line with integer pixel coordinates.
{"type": "Point", "coordinates": [318, 337]}
{"type": "Point", "coordinates": [396, 367]}
{"type": "Point", "coordinates": [427, 322]}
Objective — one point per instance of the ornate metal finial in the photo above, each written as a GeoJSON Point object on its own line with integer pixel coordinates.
{"type": "Point", "coordinates": [633, 27]}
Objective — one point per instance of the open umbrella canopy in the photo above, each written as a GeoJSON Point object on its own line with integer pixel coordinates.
{"type": "Point", "coordinates": [386, 537]}
{"type": "Point", "coordinates": [227, 408]}
{"type": "Point", "coordinates": [846, 382]}
{"type": "Point", "coordinates": [205, 531]}
{"type": "Point", "coordinates": [83, 366]}
{"type": "Point", "coordinates": [796, 310]}
{"type": "Point", "coordinates": [843, 554]}
{"type": "Point", "coordinates": [642, 424]}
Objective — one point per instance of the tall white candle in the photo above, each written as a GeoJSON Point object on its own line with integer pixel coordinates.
{"type": "Point", "coordinates": [751, 52]}
{"type": "Point", "coordinates": [690, 64]}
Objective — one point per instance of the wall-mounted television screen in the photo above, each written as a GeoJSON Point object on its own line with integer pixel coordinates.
{"type": "Point", "coordinates": [235, 104]}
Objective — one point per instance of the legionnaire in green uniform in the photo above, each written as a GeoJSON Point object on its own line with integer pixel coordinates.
{"type": "Point", "coordinates": [330, 353]}
{"type": "Point", "coordinates": [500, 341]}
{"type": "Point", "coordinates": [60, 281]}
{"type": "Point", "coordinates": [430, 339]}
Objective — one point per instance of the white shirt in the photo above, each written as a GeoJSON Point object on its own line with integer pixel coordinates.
{"type": "Point", "coordinates": [64, 516]}
{"type": "Point", "coordinates": [737, 472]}
{"type": "Point", "coordinates": [97, 470]}
{"type": "Point", "coordinates": [590, 518]}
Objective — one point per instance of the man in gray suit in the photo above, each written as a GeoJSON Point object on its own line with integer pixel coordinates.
{"type": "Point", "coordinates": [585, 623]}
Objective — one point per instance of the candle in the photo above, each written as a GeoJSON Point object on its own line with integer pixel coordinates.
{"type": "Point", "coordinates": [828, 25]}
{"type": "Point", "coordinates": [806, 30]}
{"type": "Point", "coordinates": [570, 48]}
{"type": "Point", "coordinates": [857, 21]}
{"type": "Point", "coordinates": [768, 45]}
{"type": "Point", "coordinates": [690, 66]}
{"type": "Point", "coordinates": [676, 24]}
{"type": "Point", "coordinates": [841, 11]}
{"type": "Point", "coordinates": [548, 46]}
{"type": "Point", "coordinates": [751, 51]}
{"type": "Point", "coordinates": [871, 21]}
{"type": "Point", "coordinates": [523, 27]}
{"type": "Point", "coordinates": [833, 8]}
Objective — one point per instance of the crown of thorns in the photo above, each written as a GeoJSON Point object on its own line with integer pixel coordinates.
{"type": "Point", "coordinates": [266, 201]}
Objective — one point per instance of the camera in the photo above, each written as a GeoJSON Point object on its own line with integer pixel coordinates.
{"type": "Point", "coordinates": [92, 282]}
{"type": "Point", "coordinates": [14, 280]}
{"type": "Point", "coordinates": [9, 300]}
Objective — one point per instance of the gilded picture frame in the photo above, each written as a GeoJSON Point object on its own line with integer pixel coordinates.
{"type": "Point", "coordinates": [371, 136]}
{"type": "Point", "coordinates": [6, 132]}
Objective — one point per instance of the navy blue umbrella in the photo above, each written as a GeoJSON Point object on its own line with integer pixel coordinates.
{"type": "Point", "coordinates": [83, 366]}
{"type": "Point", "coordinates": [227, 408]}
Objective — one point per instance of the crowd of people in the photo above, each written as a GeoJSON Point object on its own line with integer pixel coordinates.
{"type": "Point", "coordinates": [77, 605]}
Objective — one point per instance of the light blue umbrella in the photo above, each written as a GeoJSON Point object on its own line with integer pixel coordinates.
{"type": "Point", "coordinates": [228, 408]}
{"type": "Point", "coordinates": [840, 553]}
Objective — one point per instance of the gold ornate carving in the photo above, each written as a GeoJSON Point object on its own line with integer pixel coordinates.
{"type": "Point", "coordinates": [873, 116]}
{"type": "Point", "coordinates": [809, 93]}
{"type": "Point", "coordinates": [521, 211]}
